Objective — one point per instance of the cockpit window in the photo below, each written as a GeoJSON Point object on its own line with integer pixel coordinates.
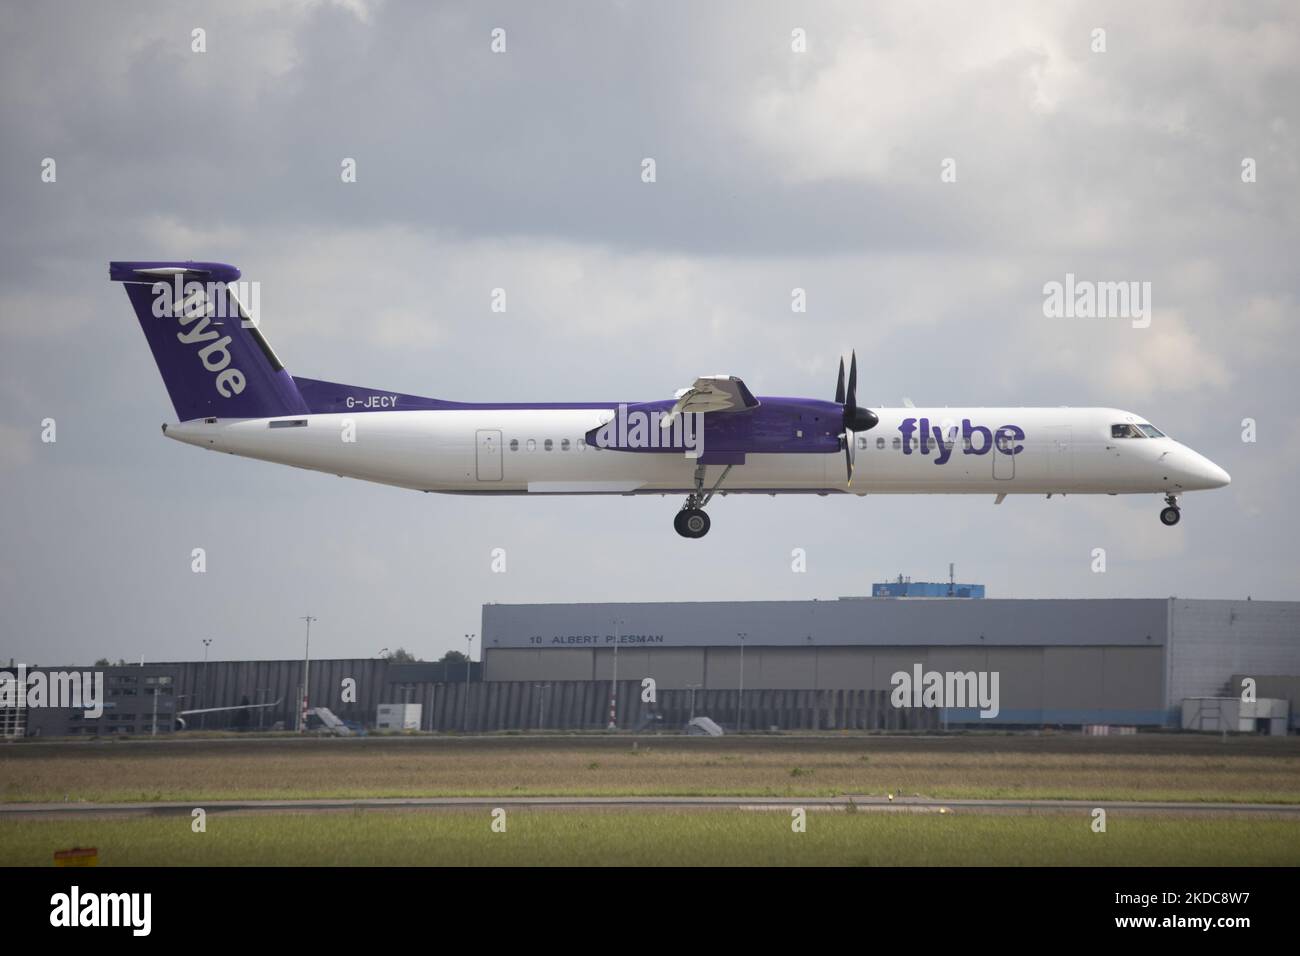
{"type": "Point", "coordinates": [1125, 431]}
{"type": "Point", "coordinates": [1150, 430]}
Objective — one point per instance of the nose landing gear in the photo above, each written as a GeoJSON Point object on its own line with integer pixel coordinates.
{"type": "Point", "coordinates": [691, 521]}
{"type": "Point", "coordinates": [1170, 515]}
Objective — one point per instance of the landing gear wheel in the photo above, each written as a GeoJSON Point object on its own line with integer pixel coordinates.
{"type": "Point", "coordinates": [1170, 516]}
{"type": "Point", "coordinates": [691, 523]}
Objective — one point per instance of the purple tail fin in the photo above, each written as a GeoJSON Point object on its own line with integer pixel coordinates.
{"type": "Point", "coordinates": [213, 359]}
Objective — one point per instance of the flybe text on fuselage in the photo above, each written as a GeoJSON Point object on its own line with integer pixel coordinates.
{"type": "Point", "coordinates": [975, 439]}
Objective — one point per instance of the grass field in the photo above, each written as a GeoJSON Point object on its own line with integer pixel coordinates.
{"type": "Point", "coordinates": [1145, 767]}
{"type": "Point", "coordinates": [657, 838]}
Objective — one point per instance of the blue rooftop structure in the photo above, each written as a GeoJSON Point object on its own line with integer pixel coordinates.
{"type": "Point", "coordinates": [907, 588]}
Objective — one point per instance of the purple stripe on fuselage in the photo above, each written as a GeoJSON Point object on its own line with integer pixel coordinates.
{"type": "Point", "coordinates": [332, 397]}
{"type": "Point", "coordinates": [776, 426]}
{"type": "Point", "coordinates": [329, 397]}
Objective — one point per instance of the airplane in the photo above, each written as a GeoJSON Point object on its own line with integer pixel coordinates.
{"type": "Point", "coordinates": [182, 714]}
{"type": "Point", "coordinates": [232, 394]}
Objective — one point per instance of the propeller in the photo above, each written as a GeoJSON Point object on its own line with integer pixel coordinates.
{"type": "Point", "coordinates": [855, 419]}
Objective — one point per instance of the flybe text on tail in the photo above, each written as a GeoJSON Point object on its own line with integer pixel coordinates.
{"type": "Point", "coordinates": [194, 305]}
{"type": "Point", "coordinates": [212, 356]}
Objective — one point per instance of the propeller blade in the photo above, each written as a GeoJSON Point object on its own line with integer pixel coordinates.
{"type": "Point", "coordinates": [849, 454]}
{"type": "Point", "coordinates": [851, 398]}
{"type": "Point", "coordinates": [855, 419]}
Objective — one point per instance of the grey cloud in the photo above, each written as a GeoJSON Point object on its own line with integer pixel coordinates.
{"type": "Point", "coordinates": [523, 170]}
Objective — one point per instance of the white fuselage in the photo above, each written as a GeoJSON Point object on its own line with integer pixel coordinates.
{"type": "Point", "coordinates": [486, 450]}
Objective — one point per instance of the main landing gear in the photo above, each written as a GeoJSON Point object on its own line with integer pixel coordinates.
{"type": "Point", "coordinates": [1170, 515]}
{"type": "Point", "coordinates": [691, 521]}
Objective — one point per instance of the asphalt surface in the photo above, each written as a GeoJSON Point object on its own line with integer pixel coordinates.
{"type": "Point", "coordinates": [186, 744]}
{"type": "Point", "coordinates": [871, 804]}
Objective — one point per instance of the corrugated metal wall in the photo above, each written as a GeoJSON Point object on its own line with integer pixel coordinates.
{"type": "Point", "coordinates": [517, 705]}
{"type": "Point", "coordinates": [1037, 685]}
{"type": "Point", "coordinates": [228, 683]}
{"type": "Point", "coordinates": [1210, 641]}
{"type": "Point", "coordinates": [584, 705]}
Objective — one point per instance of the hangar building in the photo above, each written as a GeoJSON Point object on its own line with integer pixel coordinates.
{"type": "Point", "coordinates": [813, 665]}
{"type": "Point", "coordinates": [1060, 662]}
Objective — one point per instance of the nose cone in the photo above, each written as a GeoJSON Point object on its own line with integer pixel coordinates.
{"type": "Point", "coordinates": [1197, 471]}
{"type": "Point", "coordinates": [1216, 476]}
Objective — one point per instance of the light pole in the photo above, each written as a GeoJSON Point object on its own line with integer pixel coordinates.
{"type": "Point", "coordinates": [469, 655]}
{"type": "Point", "coordinates": [203, 718]}
{"type": "Point", "coordinates": [306, 675]}
{"type": "Point", "coordinates": [740, 701]}
{"type": "Point", "coordinates": [613, 685]}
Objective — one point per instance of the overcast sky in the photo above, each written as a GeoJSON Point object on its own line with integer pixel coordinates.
{"type": "Point", "coordinates": [776, 169]}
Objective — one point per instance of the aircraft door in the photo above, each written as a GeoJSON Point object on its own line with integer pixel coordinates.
{"type": "Point", "coordinates": [487, 443]}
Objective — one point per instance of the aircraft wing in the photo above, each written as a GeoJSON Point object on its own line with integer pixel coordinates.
{"type": "Point", "coordinates": [214, 710]}
{"type": "Point", "coordinates": [711, 393]}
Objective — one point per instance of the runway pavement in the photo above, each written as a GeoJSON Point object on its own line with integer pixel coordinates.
{"type": "Point", "coordinates": [870, 804]}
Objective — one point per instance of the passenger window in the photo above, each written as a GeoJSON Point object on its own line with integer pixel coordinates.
{"type": "Point", "coordinates": [548, 444]}
{"type": "Point", "coordinates": [898, 443]}
{"type": "Point", "coordinates": [880, 443]}
{"type": "Point", "coordinates": [564, 444]}
{"type": "Point", "coordinates": [514, 444]}
{"type": "Point", "coordinates": [862, 443]}
{"type": "Point", "coordinates": [532, 445]}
